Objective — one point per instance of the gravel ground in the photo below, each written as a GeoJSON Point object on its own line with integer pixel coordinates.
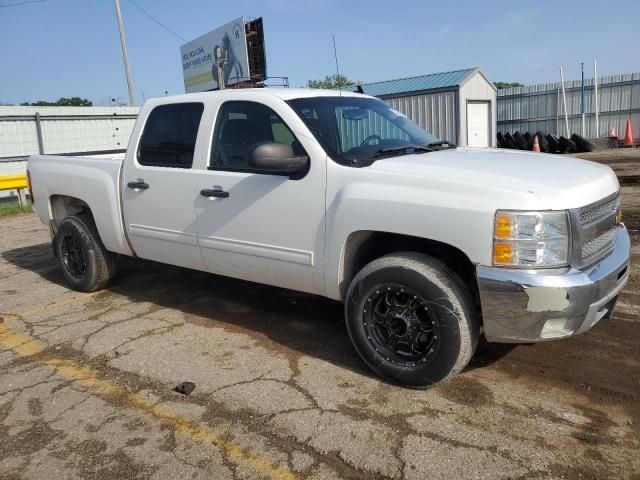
{"type": "Point", "coordinates": [86, 385]}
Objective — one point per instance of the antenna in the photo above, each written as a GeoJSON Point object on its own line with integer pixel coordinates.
{"type": "Point", "coordinates": [335, 54]}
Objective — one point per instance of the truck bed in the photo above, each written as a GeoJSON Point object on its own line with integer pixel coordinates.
{"type": "Point", "coordinates": [95, 180]}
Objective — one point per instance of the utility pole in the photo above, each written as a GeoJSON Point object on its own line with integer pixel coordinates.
{"type": "Point", "coordinates": [582, 103]}
{"type": "Point", "coordinates": [595, 102]}
{"type": "Point", "coordinates": [564, 100]}
{"type": "Point", "coordinates": [125, 56]}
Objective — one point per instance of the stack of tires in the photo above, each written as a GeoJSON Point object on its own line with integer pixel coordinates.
{"type": "Point", "coordinates": [549, 142]}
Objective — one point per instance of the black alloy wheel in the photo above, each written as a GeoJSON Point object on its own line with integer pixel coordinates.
{"type": "Point", "coordinates": [400, 325]}
{"type": "Point", "coordinates": [73, 256]}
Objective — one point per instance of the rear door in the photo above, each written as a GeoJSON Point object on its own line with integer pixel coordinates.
{"type": "Point", "coordinates": [159, 186]}
{"type": "Point", "coordinates": [267, 228]}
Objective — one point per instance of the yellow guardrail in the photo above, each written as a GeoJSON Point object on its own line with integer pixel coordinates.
{"type": "Point", "coordinates": [13, 182]}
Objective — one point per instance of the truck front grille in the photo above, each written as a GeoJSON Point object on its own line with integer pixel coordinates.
{"type": "Point", "coordinates": [598, 244]}
{"type": "Point", "coordinates": [593, 213]}
{"type": "Point", "coordinates": [597, 228]}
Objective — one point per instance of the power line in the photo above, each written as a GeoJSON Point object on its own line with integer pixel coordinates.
{"type": "Point", "coordinates": [21, 3]}
{"type": "Point", "coordinates": [157, 21]}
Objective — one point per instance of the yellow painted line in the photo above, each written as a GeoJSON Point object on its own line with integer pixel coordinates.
{"type": "Point", "coordinates": [25, 346]}
{"type": "Point", "coordinates": [20, 343]}
{"type": "Point", "coordinates": [60, 303]}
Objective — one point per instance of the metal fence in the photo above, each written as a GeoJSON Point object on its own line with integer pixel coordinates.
{"type": "Point", "coordinates": [28, 131]}
{"type": "Point", "coordinates": [540, 107]}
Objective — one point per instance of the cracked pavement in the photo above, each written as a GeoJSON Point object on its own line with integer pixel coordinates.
{"type": "Point", "coordinates": [280, 393]}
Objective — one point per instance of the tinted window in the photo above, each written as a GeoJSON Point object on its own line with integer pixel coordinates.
{"type": "Point", "coordinates": [239, 127]}
{"type": "Point", "coordinates": [169, 137]}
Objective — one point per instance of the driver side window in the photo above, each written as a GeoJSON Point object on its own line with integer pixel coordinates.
{"type": "Point", "coordinates": [371, 129]}
{"type": "Point", "coordinates": [240, 125]}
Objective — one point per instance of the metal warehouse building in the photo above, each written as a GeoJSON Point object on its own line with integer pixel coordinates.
{"type": "Point", "coordinates": [458, 106]}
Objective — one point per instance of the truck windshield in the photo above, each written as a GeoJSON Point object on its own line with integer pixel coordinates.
{"type": "Point", "coordinates": [354, 130]}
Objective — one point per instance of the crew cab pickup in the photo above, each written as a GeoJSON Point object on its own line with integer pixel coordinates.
{"type": "Point", "coordinates": [429, 246]}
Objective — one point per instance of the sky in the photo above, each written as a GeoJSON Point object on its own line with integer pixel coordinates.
{"type": "Point", "coordinates": [63, 48]}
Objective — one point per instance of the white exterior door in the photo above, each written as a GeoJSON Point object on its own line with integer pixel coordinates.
{"type": "Point", "coordinates": [159, 186]}
{"type": "Point", "coordinates": [478, 124]}
{"type": "Point", "coordinates": [264, 228]}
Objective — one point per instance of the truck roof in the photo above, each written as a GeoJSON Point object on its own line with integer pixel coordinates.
{"type": "Point", "coordinates": [283, 93]}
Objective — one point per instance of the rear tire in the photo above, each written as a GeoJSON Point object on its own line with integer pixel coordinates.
{"type": "Point", "coordinates": [411, 319]}
{"type": "Point", "coordinates": [85, 262]}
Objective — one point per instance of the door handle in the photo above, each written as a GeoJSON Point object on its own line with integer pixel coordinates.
{"type": "Point", "coordinates": [216, 191]}
{"type": "Point", "coordinates": [139, 184]}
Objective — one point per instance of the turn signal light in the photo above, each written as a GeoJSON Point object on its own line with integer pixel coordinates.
{"type": "Point", "coordinates": [503, 226]}
{"type": "Point", "coordinates": [502, 253]}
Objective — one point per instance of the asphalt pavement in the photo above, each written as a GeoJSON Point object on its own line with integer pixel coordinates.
{"type": "Point", "coordinates": [87, 386]}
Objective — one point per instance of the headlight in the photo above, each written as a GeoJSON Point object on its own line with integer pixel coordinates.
{"type": "Point", "coordinates": [531, 239]}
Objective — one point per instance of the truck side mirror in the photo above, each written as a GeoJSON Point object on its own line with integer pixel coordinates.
{"type": "Point", "coordinates": [277, 158]}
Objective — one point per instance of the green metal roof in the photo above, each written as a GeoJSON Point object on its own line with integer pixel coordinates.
{"type": "Point", "coordinates": [415, 84]}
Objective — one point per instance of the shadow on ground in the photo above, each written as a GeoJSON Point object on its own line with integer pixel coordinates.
{"type": "Point", "coordinates": [289, 321]}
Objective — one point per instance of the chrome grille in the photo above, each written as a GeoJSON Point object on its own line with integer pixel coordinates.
{"type": "Point", "coordinates": [596, 230]}
{"type": "Point", "coordinates": [593, 247]}
{"type": "Point", "coordinates": [593, 213]}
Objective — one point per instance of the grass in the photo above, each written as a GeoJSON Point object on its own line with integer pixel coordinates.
{"type": "Point", "coordinates": [7, 209]}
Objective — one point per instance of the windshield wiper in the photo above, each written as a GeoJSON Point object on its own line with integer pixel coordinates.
{"type": "Point", "coordinates": [390, 152]}
{"type": "Point", "coordinates": [441, 143]}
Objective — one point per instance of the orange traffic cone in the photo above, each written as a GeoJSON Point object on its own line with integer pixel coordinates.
{"type": "Point", "coordinates": [628, 135]}
{"type": "Point", "coordinates": [536, 145]}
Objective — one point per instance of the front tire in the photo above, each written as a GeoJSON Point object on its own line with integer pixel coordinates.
{"type": "Point", "coordinates": [411, 319]}
{"type": "Point", "coordinates": [86, 264]}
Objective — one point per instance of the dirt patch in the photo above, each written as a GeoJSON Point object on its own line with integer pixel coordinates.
{"type": "Point", "coordinates": [36, 436]}
{"type": "Point", "coordinates": [92, 459]}
{"type": "Point", "coordinates": [35, 407]}
{"type": "Point", "coordinates": [466, 391]}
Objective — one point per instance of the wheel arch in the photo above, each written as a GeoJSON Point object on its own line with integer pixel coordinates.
{"type": "Point", "coordinates": [363, 246]}
{"type": "Point", "coordinates": [62, 206]}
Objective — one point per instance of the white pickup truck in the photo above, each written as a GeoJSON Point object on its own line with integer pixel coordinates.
{"type": "Point", "coordinates": [336, 194]}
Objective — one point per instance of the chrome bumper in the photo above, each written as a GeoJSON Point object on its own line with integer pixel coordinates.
{"type": "Point", "coordinates": [525, 306]}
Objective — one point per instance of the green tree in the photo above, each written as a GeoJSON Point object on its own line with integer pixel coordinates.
{"type": "Point", "coordinates": [331, 82]}
{"type": "Point", "coordinates": [501, 85]}
{"type": "Point", "coordinates": [61, 102]}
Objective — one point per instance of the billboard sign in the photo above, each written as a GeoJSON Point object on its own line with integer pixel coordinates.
{"type": "Point", "coordinates": [215, 57]}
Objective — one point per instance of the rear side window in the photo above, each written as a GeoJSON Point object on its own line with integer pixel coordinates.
{"type": "Point", "coordinates": [169, 136]}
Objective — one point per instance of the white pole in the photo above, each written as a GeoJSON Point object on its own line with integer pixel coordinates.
{"type": "Point", "coordinates": [582, 109]}
{"type": "Point", "coordinates": [123, 43]}
{"type": "Point", "coordinates": [564, 100]}
{"type": "Point", "coordinates": [595, 91]}
{"type": "Point", "coordinates": [558, 111]}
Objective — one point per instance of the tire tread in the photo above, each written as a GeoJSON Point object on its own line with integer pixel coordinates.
{"type": "Point", "coordinates": [450, 282]}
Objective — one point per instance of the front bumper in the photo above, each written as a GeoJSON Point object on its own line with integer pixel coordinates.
{"type": "Point", "coordinates": [525, 306]}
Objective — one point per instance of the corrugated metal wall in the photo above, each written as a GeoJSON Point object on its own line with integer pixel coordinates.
{"type": "Point", "coordinates": [477, 88]}
{"type": "Point", "coordinates": [64, 129]}
{"type": "Point", "coordinates": [436, 112]}
{"type": "Point", "coordinates": [353, 133]}
{"type": "Point", "coordinates": [536, 107]}
{"type": "Point", "coordinates": [444, 113]}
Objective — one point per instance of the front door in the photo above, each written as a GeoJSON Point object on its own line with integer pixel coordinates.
{"type": "Point", "coordinates": [262, 227]}
{"type": "Point", "coordinates": [478, 124]}
{"type": "Point", "coordinates": [159, 185]}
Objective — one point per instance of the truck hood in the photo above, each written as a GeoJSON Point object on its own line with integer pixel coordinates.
{"type": "Point", "coordinates": [559, 181]}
